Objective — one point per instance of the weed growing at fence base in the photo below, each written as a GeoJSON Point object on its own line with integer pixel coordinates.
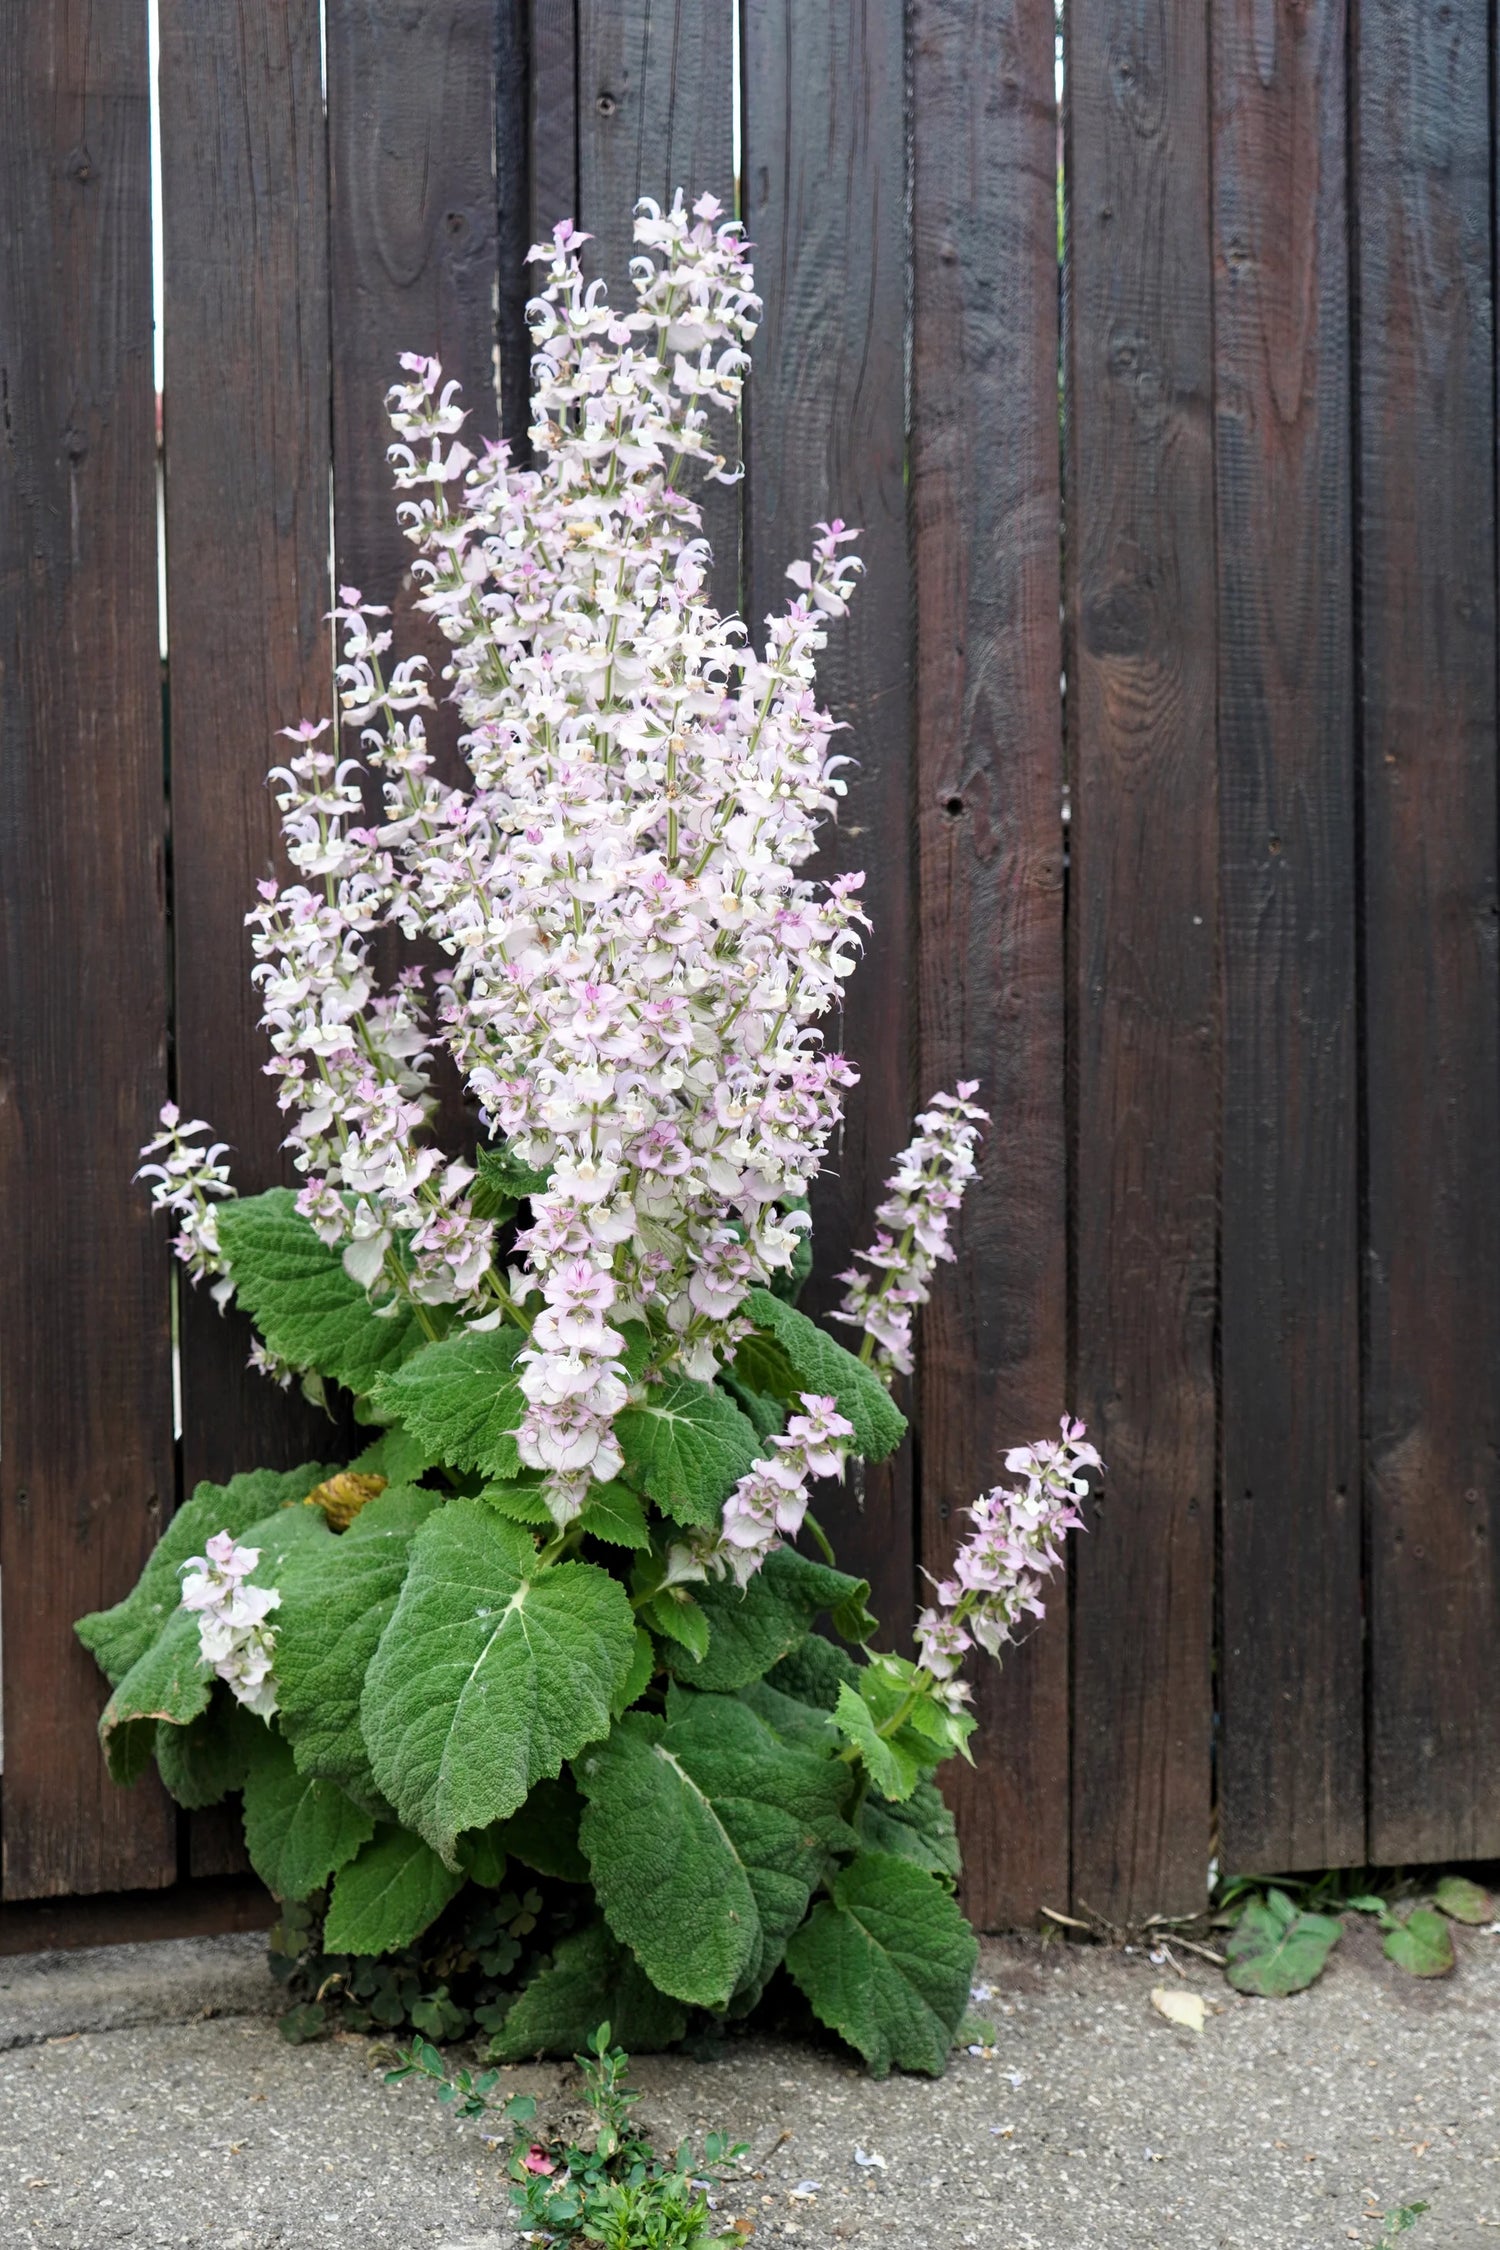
{"type": "Point", "coordinates": [535, 1681]}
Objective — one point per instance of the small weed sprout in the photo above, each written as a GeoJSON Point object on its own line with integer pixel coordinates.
{"type": "Point", "coordinates": [618, 2194]}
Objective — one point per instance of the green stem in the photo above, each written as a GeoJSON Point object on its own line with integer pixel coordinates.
{"type": "Point", "coordinates": [821, 1539]}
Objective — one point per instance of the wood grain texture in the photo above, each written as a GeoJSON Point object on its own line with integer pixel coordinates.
{"type": "Point", "coordinates": [824, 199]}
{"type": "Point", "coordinates": [244, 192]}
{"type": "Point", "coordinates": [655, 114]}
{"type": "Point", "coordinates": [1143, 911]}
{"type": "Point", "coordinates": [986, 514]}
{"type": "Point", "coordinates": [1432, 1031]}
{"type": "Point", "coordinates": [514, 231]}
{"type": "Point", "coordinates": [85, 1367]}
{"type": "Point", "coordinates": [554, 114]}
{"type": "Point", "coordinates": [414, 249]}
{"type": "Point", "coordinates": [1291, 1744]}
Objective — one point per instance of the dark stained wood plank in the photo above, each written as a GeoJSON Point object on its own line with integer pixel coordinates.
{"type": "Point", "coordinates": [1143, 912]}
{"type": "Point", "coordinates": [514, 232]}
{"type": "Point", "coordinates": [137, 1917]}
{"type": "Point", "coordinates": [554, 114]}
{"type": "Point", "coordinates": [1291, 1741]}
{"type": "Point", "coordinates": [1432, 1026]}
{"type": "Point", "coordinates": [85, 1365]}
{"type": "Point", "coordinates": [413, 250]}
{"type": "Point", "coordinates": [986, 511]}
{"type": "Point", "coordinates": [244, 191]}
{"type": "Point", "coordinates": [655, 114]}
{"type": "Point", "coordinates": [824, 201]}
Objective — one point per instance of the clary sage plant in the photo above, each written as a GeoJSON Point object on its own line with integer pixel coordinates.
{"type": "Point", "coordinates": [557, 1612]}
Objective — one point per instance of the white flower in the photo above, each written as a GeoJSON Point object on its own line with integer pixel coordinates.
{"type": "Point", "coordinates": [233, 1635]}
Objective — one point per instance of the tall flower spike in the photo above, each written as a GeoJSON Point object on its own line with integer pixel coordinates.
{"type": "Point", "coordinates": [1016, 1542]}
{"type": "Point", "coordinates": [922, 1195]}
{"type": "Point", "coordinates": [636, 972]}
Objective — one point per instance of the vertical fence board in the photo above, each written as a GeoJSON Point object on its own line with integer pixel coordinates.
{"type": "Point", "coordinates": [86, 1376]}
{"type": "Point", "coordinates": [1427, 532]}
{"type": "Point", "coordinates": [824, 202]}
{"type": "Point", "coordinates": [554, 114]}
{"type": "Point", "coordinates": [1291, 1749]}
{"type": "Point", "coordinates": [413, 235]}
{"type": "Point", "coordinates": [1143, 906]}
{"type": "Point", "coordinates": [244, 178]}
{"type": "Point", "coordinates": [655, 113]}
{"type": "Point", "coordinates": [989, 825]}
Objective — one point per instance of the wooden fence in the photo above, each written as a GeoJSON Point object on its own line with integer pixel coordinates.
{"type": "Point", "coordinates": [1238, 1018]}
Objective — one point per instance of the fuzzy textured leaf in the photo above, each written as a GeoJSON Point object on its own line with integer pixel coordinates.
{"type": "Point", "coordinates": [296, 1291]}
{"type": "Point", "coordinates": [505, 1173]}
{"type": "Point", "coordinates": [892, 1768]}
{"type": "Point", "coordinates": [1275, 1950]}
{"type": "Point", "coordinates": [337, 1601]}
{"type": "Point", "coordinates": [751, 1630]}
{"type": "Point", "coordinates": [814, 1671]}
{"type": "Point", "coordinates": [387, 1896]}
{"type": "Point", "coordinates": [706, 1835]}
{"type": "Point", "coordinates": [887, 1963]}
{"type": "Point", "coordinates": [202, 1762]}
{"type": "Point", "coordinates": [613, 1515]}
{"type": "Point", "coordinates": [461, 1399]}
{"type": "Point", "coordinates": [490, 1673]}
{"type": "Point", "coordinates": [592, 1979]}
{"type": "Point", "coordinates": [519, 1502]}
{"type": "Point", "coordinates": [120, 1637]}
{"type": "Point", "coordinates": [687, 1446]}
{"type": "Point", "coordinates": [920, 1830]}
{"type": "Point", "coordinates": [824, 1367]}
{"type": "Point", "coordinates": [170, 1682]}
{"type": "Point", "coordinates": [1422, 1944]}
{"type": "Point", "coordinates": [298, 1829]}
{"type": "Point", "coordinates": [801, 1724]}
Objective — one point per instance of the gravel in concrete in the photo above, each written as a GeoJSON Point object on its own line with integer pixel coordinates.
{"type": "Point", "coordinates": [1093, 2124]}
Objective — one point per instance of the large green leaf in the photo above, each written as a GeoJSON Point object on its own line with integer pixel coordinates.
{"type": "Point", "coordinates": [823, 1367]}
{"type": "Point", "coordinates": [298, 1829]}
{"type": "Point", "coordinates": [920, 1830]}
{"type": "Point", "coordinates": [461, 1399]}
{"type": "Point", "coordinates": [687, 1446]}
{"type": "Point", "coordinates": [120, 1637]}
{"type": "Point", "coordinates": [887, 1963]}
{"type": "Point", "coordinates": [335, 1604]}
{"type": "Point", "coordinates": [388, 1895]}
{"type": "Point", "coordinates": [1274, 1950]}
{"type": "Point", "coordinates": [706, 1835]}
{"type": "Point", "coordinates": [490, 1674]}
{"type": "Point", "coordinates": [201, 1762]}
{"type": "Point", "coordinates": [171, 1682]}
{"type": "Point", "coordinates": [592, 1979]}
{"type": "Point", "coordinates": [310, 1312]}
{"type": "Point", "coordinates": [750, 1629]}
